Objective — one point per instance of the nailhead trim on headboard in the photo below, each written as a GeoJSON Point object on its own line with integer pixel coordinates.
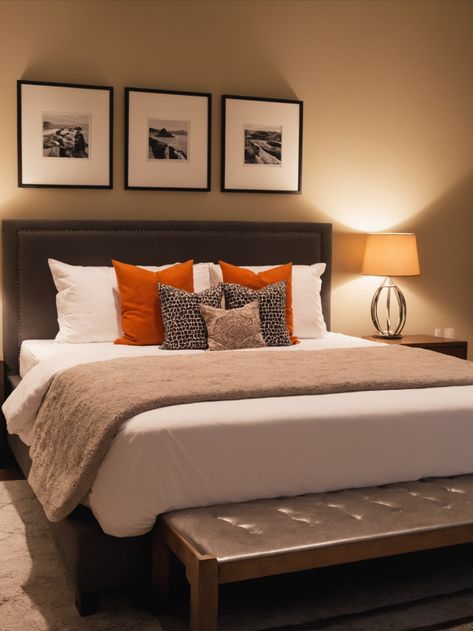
{"type": "Point", "coordinates": [30, 258]}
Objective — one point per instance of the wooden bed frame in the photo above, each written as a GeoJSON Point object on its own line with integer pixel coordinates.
{"type": "Point", "coordinates": [96, 561]}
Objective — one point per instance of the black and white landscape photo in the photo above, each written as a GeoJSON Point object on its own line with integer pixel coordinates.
{"type": "Point", "coordinates": [66, 135]}
{"type": "Point", "coordinates": [168, 140]}
{"type": "Point", "coordinates": [263, 144]}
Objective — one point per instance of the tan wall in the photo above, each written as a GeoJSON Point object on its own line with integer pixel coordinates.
{"type": "Point", "coordinates": [388, 130]}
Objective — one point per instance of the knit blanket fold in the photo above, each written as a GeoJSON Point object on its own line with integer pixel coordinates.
{"type": "Point", "coordinates": [86, 405]}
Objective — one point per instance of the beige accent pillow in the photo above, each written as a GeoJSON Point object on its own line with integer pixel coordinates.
{"type": "Point", "coordinates": [234, 328]}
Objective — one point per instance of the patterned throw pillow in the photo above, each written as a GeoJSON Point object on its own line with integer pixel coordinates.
{"type": "Point", "coordinates": [234, 328]}
{"type": "Point", "coordinates": [184, 327]}
{"type": "Point", "coordinates": [272, 309]}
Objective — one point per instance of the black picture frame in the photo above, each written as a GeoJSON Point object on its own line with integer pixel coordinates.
{"type": "Point", "coordinates": [144, 153]}
{"type": "Point", "coordinates": [36, 169]}
{"type": "Point", "coordinates": [281, 121]}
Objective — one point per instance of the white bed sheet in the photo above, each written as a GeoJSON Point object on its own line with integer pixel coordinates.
{"type": "Point", "coordinates": [205, 453]}
{"type": "Point", "coordinates": [34, 351]}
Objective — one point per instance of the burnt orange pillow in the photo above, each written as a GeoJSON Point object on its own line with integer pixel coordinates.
{"type": "Point", "coordinates": [253, 280]}
{"type": "Point", "coordinates": [142, 322]}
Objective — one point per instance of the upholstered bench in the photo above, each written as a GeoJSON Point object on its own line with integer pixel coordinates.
{"type": "Point", "coordinates": [235, 542]}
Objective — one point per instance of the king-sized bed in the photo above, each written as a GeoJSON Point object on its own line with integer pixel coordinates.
{"type": "Point", "coordinates": [206, 452]}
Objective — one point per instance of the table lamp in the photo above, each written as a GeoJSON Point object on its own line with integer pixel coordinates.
{"type": "Point", "coordinates": [390, 254]}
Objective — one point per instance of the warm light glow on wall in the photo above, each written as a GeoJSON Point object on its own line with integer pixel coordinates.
{"type": "Point", "coordinates": [365, 204]}
{"type": "Point", "coordinates": [356, 292]}
{"type": "Point", "coordinates": [374, 203]}
{"type": "Point", "coordinates": [370, 216]}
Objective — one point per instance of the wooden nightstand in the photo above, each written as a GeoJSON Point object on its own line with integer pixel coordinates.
{"type": "Point", "coordinates": [455, 348]}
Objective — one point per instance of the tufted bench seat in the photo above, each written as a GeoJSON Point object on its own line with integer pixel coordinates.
{"type": "Point", "coordinates": [234, 542]}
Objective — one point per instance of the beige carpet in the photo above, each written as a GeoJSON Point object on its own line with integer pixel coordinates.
{"type": "Point", "coordinates": [36, 596]}
{"type": "Point", "coordinates": [34, 592]}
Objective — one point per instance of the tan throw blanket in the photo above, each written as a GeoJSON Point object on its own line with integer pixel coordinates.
{"type": "Point", "coordinates": [86, 405]}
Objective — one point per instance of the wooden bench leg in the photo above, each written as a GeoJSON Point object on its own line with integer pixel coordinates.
{"type": "Point", "coordinates": [203, 579]}
{"type": "Point", "coordinates": [160, 573]}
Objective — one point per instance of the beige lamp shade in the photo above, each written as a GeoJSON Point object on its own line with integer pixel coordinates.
{"type": "Point", "coordinates": [391, 254]}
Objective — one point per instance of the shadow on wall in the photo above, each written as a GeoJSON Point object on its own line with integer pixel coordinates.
{"type": "Point", "coordinates": [444, 235]}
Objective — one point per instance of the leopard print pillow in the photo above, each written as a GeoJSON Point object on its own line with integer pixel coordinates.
{"type": "Point", "coordinates": [272, 308]}
{"type": "Point", "coordinates": [233, 328]}
{"type": "Point", "coordinates": [184, 327]}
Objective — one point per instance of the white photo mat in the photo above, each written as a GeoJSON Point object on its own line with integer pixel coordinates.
{"type": "Point", "coordinates": [284, 118]}
{"type": "Point", "coordinates": [37, 101]}
{"type": "Point", "coordinates": [191, 172]}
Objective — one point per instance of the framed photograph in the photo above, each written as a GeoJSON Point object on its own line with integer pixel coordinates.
{"type": "Point", "coordinates": [167, 140]}
{"type": "Point", "coordinates": [64, 135]}
{"type": "Point", "coordinates": [261, 145]}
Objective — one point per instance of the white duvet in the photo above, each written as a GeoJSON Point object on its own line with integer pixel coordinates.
{"type": "Point", "coordinates": [205, 453]}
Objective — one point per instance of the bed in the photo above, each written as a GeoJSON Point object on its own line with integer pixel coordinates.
{"type": "Point", "coordinates": [96, 561]}
{"type": "Point", "coordinates": [387, 437]}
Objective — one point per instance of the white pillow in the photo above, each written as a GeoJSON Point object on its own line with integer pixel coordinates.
{"type": "Point", "coordinates": [88, 301]}
{"type": "Point", "coordinates": [306, 304]}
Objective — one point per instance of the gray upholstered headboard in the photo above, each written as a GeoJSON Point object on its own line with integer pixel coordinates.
{"type": "Point", "coordinates": [29, 305]}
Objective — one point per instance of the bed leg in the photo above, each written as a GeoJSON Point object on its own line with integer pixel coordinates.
{"type": "Point", "coordinates": [203, 581]}
{"type": "Point", "coordinates": [86, 602]}
{"type": "Point", "coordinates": [160, 573]}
